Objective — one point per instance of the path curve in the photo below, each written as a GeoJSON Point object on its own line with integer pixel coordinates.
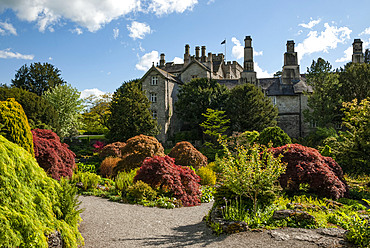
{"type": "Point", "coordinates": [114, 225]}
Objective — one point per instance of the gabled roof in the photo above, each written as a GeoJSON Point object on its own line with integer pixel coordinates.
{"type": "Point", "coordinates": [274, 87]}
{"type": "Point", "coordinates": [163, 73]}
{"type": "Point", "coordinates": [196, 62]}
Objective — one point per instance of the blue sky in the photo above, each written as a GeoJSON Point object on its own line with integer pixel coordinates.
{"type": "Point", "coordinates": [99, 44]}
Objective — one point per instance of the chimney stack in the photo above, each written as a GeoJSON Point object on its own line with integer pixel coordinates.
{"type": "Point", "coordinates": [197, 53]}
{"type": "Point", "coordinates": [187, 54]}
{"type": "Point", "coordinates": [204, 57]}
{"type": "Point", "coordinates": [162, 61]}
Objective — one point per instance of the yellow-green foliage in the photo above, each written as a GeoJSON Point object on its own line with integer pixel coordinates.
{"type": "Point", "coordinates": [125, 179]}
{"type": "Point", "coordinates": [29, 202]}
{"type": "Point", "coordinates": [89, 180]}
{"type": "Point", "coordinates": [141, 191]}
{"type": "Point", "coordinates": [207, 175]}
{"type": "Point", "coordinates": [14, 124]}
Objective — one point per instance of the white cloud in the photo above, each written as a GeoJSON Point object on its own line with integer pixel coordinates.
{"type": "Point", "coordinates": [88, 92]}
{"type": "Point", "coordinates": [7, 54]}
{"type": "Point", "coordinates": [50, 58]}
{"type": "Point", "coordinates": [311, 24]}
{"type": "Point", "coordinates": [115, 33]}
{"type": "Point", "coordinates": [77, 31]}
{"type": "Point", "coordinates": [146, 61]}
{"type": "Point", "coordinates": [138, 30]}
{"type": "Point", "coordinates": [327, 39]}
{"type": "Point", "coordinates": [238, 50]}
{"type": "Point", "coordinates": [366, 31]}
{"type": "Point", "coordinates": [210, 2]}
{"type": "Point", "coordinates": [261, 73]}
{"type": "Point", "coordinates": [347, 55]}
{"type": "Point", "coordinates": [6, 28]}
{"type": "Point", "coordinates": [161, 7]}
{"type": "Point", "coordinates": [92, 15]}
{"type": "Point", "coordinates": [178, 60]}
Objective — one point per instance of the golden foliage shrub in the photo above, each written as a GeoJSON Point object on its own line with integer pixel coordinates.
{"type": "Point", "coordinates": [106, 167]}
{"type": "Point", "coordinates": [185, 154]}
{"type": "Point", "coordinates": [136, 150]}
{"type": "Point", "coordinates": [207, 176]}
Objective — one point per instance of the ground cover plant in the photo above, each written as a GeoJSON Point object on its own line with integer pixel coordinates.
{"type": "Point", "coordinates": [33, 205]}
{"type": "Point", "coordinates": [52, 155]}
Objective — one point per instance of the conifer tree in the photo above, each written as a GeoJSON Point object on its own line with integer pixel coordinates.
{"type": "Point", "coordinates": [249, 109]}
{"type": "Point", "coordinates": [130, 113]}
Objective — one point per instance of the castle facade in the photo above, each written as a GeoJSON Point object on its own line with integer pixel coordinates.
{"type": "Point", "coordinates": [161, 84]}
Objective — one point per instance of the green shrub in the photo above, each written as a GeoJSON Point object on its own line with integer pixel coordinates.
{"type": "Point", "coordinates": [141, 191]}
{"type": "Point", "coordinates": [207, 194]}
{"type": "Point", "coordinates": [81, 167]}
{"type": "Point", "coordinates": [14, 124]}
{"type": "Point", "coordinates": [89, 180]}
{"type": "Point", "coordinates": [32, 204]}
{"type": "Point", "coordinates": [252, 173]}
{"type": "Point", "coordinates": [275, 135]}
{"type": "Point", "coordinates": [207, 176]}
{"type": "Point", "coordinates": [124, 180]}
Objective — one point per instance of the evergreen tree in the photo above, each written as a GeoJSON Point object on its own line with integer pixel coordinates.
{"type": "Point", "coordinates": [37, 78]}
{"type": "Point", "coordinates": [130, 114]}
{"type": "Point", "coordinates": [40, 113]}
{"type": "Point", "coordinates": [249, 109]}
{"type": "Point", "coordinates": [195, 97]}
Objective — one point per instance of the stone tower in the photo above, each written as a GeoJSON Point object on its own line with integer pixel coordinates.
{"type": "Point", "coordinates": [291, 68]}
{"type": "Point", "coordinates": [187, 55]}
{"type": "Point", "coordinates": [248, 75]}
{"type": "Point", "coordinates": [358, 55]}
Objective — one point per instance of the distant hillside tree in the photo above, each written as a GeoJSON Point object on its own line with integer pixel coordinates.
{"type": "Point", "coordinates": [96, 114]}
{"type": "Point", "coordinates": [249, 109]}
{"type": "Point", "coordinates": [130, 113]}
{"type": "Point", "coordinates": [40, 113]}
{"type": "Point", "coordinates": [37, 78]}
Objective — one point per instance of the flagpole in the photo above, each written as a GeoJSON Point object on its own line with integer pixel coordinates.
{"type": "Point", "coordinates": [225, 51]}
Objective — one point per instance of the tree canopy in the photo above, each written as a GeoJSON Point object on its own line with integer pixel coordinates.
{"type": "Point", "coordinates": [66, 100]}
{"type": "Point", "coordinates": [196, 96]}
{"type": "Point", "coordinates": [249, 109]}
{"type": "Point", "coordinates": [130, 113]}
{"type": "Point", "coordinates": [40, 113]}
{"type": "Point", "coordinates": [333, 88]}
{"type": "Point", "coordinates": [37, 78]}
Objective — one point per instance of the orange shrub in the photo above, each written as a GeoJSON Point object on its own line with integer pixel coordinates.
{"type": "Point", "coordinates": [106, 167]}
{"type": "Point", "coordinates": [136, 150]}
{"type": "Point", "coordinates": [185, 154]}
{"type": "Point", "coordinates": [112, 150]}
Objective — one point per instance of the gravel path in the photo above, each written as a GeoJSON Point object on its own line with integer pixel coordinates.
{"type": "Point", "coordinates": [110, 225]}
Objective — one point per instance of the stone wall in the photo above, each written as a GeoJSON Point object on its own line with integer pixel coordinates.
{"type": "Point", "coordinates": [194, 70]}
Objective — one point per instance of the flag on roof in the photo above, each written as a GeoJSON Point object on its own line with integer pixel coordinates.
{"type": "Point", "coordinates": [223, 42]}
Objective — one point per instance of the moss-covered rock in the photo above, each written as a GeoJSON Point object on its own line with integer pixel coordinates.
{"type": "Point", "coordinates": [32, 204]}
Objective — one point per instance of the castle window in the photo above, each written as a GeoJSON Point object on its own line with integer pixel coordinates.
{"type": "Point", "coordinates": [273, 99]}
{"type": "Point", "coordinates": [154, 114]}
{"type": "Point", "coordinates": [194, 76]}
{"type": "Point", "coordinates": [154, 80]}
{"type": "Point", "coordinates": [153, 97]}
{"type": "Point", "coordinates": [313, 124]}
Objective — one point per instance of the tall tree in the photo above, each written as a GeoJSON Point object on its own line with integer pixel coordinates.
{"type": "Point", "coordinates": [249, 109]}
{"type": "Point", "coordinates": [37, 78]}
{"type": "Point", "coordinates": [196, 96]}
{"type": "Point", "coordinates": [66, 100]}
{"type": "Point", "coordinates": [130, 113]}
{"type": "Point", "coordinates": [40, 113]}
{"type": "Point", "coordinates": [331, 89]}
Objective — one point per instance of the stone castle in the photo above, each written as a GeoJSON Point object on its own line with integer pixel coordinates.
{"type": "Point", "coordinates": [161, 84]}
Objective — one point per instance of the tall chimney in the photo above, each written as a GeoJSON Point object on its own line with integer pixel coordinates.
{"type": "Point", "coordinates": [197, 53]}
{"type": "Point", "coordinates": [248, 54]}
{"type": "Point", "coordinates": [187, 54]}
{"type": "Point", "coordinates": [204, 57]}
{"type": "Point", "coordinates": [162, 61]}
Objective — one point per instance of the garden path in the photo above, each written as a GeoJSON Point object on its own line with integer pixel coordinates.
{"type": "Point", "coordinates": [114, 225]}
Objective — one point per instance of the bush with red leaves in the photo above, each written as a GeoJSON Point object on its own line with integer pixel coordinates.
{"type": "Point", "coordinates": [112, 150]}
{"type": "Point", "coordinates": [52, 155]}
{"type": "Point", "coordinates": [185, 154]}
{"type": "Point", "coordinates": [306, 165]}
{"type": "Point", "coordinates": [162, 173]}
